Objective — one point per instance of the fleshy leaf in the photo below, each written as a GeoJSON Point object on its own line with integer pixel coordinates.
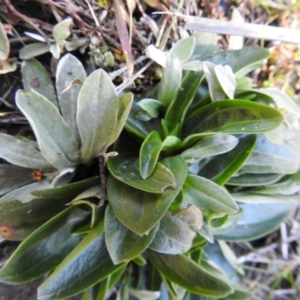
{"type": "Point", "coordinates": [156, 54]}
{"type": "Point", "coordinates": [124, 167]}
{"type": "Point", "coordinates": [140, 211]}
{"type": "Point", "coordinates": [150, 106]}
{"type": "Point", "coordinates": [258, 219]}
{"type": "Point", "coordinates": [68, 191]}
{"type": "Point", "coordinates": [281, 99]}
{"type": "Point", "coordinates": [170, 81]}
{"type": "Point", "coordinates": [207, 195]}
{"type": "Point", "coordinates": [13, 177]}
{"type": "Point", "coordinates": [210, 145]}
{"type": "Point", "coordinates": [55, 142]}
{"type": "Point", "coordinates": [35, 77]}
{"type": "Point", "coordinates": [252, 179]}
{"type": "Point", "coordinates": [32, 50]}
{"type": "Point", "coordinates": [137, 127]}
{"type": "Point", "coordinates": [69, 69]}
{"type": "Point", "coordinates": [241, 61]}
{"type": "Point", "coordinates": [233, 117]}
{"type": "Point", "coordinates": [97, 113]}
{"type": "Point", "coordinates": [221, 81]}
{"type": "Point", "coordinates": [23, 266]}
{"type": "Point", "coordinates": [183, 49]}
{"type": "Point", "coordinates": [21, 153]}
{"type": "Point", "coordinates": [177, 110]}
{"type": "Point", "coordinates": [122, 244]}
{"type": "Point", "coordinates": [206, 43]}
{"type": "Point", "coordinates": [125, 103]}
{"type": "Point", "coordinates": [221, 168]}
{"type": "Point", "coordinates": [191, 276]}
{"type": "Point", "coordinates": [173, 236]}
{"type": "Point", "coordinates": [55, 50]}
{"type": "Point", "coordinates": [24, 193]}
{"type": "Point", "coordinates": [86, 265]}
{"type": "Point", "coordinates": [268, 157]}
{"type": "Point", "coordinates": [149, 153]}
{"type": "Point", "coordinates": [20, 219]}
{"type": "Point", "coordinates": [61, 31]}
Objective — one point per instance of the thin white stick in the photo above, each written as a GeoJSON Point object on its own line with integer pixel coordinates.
{"type": "Point", "coordinates": [263, 32]}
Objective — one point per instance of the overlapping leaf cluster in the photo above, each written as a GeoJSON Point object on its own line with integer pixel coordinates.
{"type": "Point", "coordinates": [204, 159]}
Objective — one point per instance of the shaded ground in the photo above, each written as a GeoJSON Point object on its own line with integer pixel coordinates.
{"type": "Point", "coordinates": [272, 263]}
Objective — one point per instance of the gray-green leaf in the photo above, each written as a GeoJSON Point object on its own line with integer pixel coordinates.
{"type": "Point", "coordinates": [122, 244]}
{"type": "Point", "coordinates": [69, 69]}
{"type": "Point", "coordinates": [21, 153]}
{"type": "Point", "coordinates": [35, 77]}
{"type": "Point", "coordinates": [97, 114]}
{"type": "Point", "coordinates": [207, 195]}
{"type": "Point", "coordinates": [51, 131]}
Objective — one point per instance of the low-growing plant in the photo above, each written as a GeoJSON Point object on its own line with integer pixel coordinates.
{"type": "Point", "coordinates": [146, 211]}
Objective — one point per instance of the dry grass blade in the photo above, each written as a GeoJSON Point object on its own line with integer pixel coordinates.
{"type": "Point", "coordinates": [123, 34]}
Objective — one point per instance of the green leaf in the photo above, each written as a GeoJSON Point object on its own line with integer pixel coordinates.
{"type": "Point", "coordinates": [149, 154]}
{"type": "Point", "coordinates": [4, 44]}
{"type": "Point", "coordinates": [171, 143]}
{"type": "Point", "coordinates": [210, 145]}
{"type": "Point", "coordinates": [61, 31]}
{"type": "Point", "coordinates": [20, 219]}
{"type": "Point", "coordinates": [207, 195]}
{"type": "Point", "coordinates": [24, 193]}
{"type": "Point", "coordinates": [122, 244]}
{"type": "Point", "coordinates": [44, 249]}
{"type": "Point", "coordinates": [13, 177]}
{"type": "Point", "coordinates": [281, 99]}
{"type": "Point", "coordinates": [35, 77]}
{"type": "Point", "coordinates": [97, 114]}
{"type": "Point", "coordinates": [206, 43]}
{"type": "Point", "coordinates": [177, 110]}
{"type": "Point", "coordinates": [68, 191]}
{"type": "Point", "coordinates": [221, 81]}
{"type": "Point", "coordinates": [140, 211]}
{"type": "Point", "coordinates": [93, 192]}
{"type": "Point", "coordinates": [233, 117]}
{"type": "Point", "coordinates": [55, 50]}
{"type": "Point", "coordinates": [144, 294]}
{"type": "Point", "coordinates": [287, 187]}
{"type": "Point", "coordinates": [258, 219]}
{"type": "Point", "coordinates": [268, 157]}
{"type": "Point", "coordinates": [33, 50]}
{"type": "Point", "coordinates": [156, 55]}
{"type": "Point", "coordinates": [222, 167]}
{"type": "Point", "coordinates": [173, 236]}
{"type": "Point", "coordinates": [183, 49]}
{"type": "Point", "coordinates": [124, 167]}
{"type": "Point", "coordinates": [171, 80]}
{"type": "Point", "coordinates": [86, 265]}
{"type": "Point", "coordinates": [258, 179]}
{"type": "Point", "coordinates": [136, 126]}
{"type": "Point", "coordinates": [190, 275]}
{"type": "Point", "coordinates": [21, 153]}
{"type": "Point", "coordinates": [69, 70]}
{"type": "Point", "coordinates": [150, 107]}
{"type": "Point", "coordinates": [241, 61]}
{"type": "Point", "coordinates": [214, 253]}
{"type": "Point", "coordinates": [125, 103]}
{"type": "Point", "coordinates": [51, 131]}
